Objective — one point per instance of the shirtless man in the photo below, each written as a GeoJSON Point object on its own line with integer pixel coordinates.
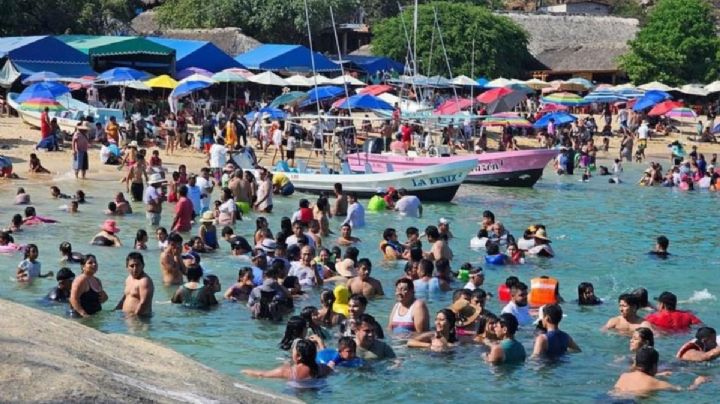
{"type": "Point", "coordinates": [139, 288]}
{"type": "Point", "coordinates": [364, 284]}
{"type": "Point", "coordinates": [134, 181]}
{"type": "Point", "coordinates": [241, 188]}
{"type": "Point", "coordinates": [703, 348]}
{"type": "Point", "coordinates": [641, 379]}
{"type": "Point", "coordinates": [171, 262]}
{"type": "Point", "coordinates": [628, 320]}
{"type": "Point", "coordinates": [440, 248]}
{"type": "Point", "coordinates": [346, 238]}
{"type": "Point", "coordinates": [341, 202]}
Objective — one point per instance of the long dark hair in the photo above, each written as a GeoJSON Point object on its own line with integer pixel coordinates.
{"type": "Point", "coordinates": [294, 329]}
{"type": "Point", "coordinates": [327, 298]}
{"type": "Point", "coordinates": [451, 319]}
{"type": "Point", "coordinates": [307, 314]}
{"type": "Point", "coordinates": [307, 351]}
{"type": "Point", "coordinates": [647, 335]}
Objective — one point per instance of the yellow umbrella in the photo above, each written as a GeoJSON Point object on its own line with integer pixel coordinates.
{"type": "Point", "coordinates": [163, 81]}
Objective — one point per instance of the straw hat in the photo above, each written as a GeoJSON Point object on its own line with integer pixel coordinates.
{"type": "Point", "coordinates": [346, 268]}
{"type": "Point", "coordinates": [208, 217]}
{"type": "Point", "coordinates": [133, 144]}
{"type": "Point", "coordinates": [156, 179]}
{"type": "Point", "coordinates": [84, 125]}
{"type": "Point", "coordinates": [540, 233]}
{"type": "Point", "coordinates": [110, 226]}
{"type": "Point", "coordinates": [467, 313]}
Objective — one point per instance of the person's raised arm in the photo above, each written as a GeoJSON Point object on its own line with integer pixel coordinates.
{"type": "Point", "coordinates": [423, 340]}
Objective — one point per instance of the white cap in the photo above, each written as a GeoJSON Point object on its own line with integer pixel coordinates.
{"type": "Point", "coordinates": [443, 221]}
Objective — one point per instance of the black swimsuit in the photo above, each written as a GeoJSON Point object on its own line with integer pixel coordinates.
{"type": "Point", "coordinates": [90, 301]}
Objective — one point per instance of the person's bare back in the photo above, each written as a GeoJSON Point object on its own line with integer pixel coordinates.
{"type": "Point", "coordinates": [172, 267]}
{"type": "Point", "coordinates": [341, 206]}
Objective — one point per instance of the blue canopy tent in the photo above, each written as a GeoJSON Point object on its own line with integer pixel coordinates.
{"type": "Point", "coordinates": [365, 101]}
{"type": "Point", "coordinates": [189, 53]}
{"type": "Point", "coordinates": [285, 58]}
{"type": "Point", "coordinates": [561, 118]}
{"type": "Point", "coordinates": [650, 98]}
{"type": "Point", "coordinates": [372, 65]}
{"type": "Point", "coordinates": [32, 54]}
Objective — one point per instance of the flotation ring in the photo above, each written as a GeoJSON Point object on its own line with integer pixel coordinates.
{"type": "Point", "coordinates": [497, 259]}
{"type": "Point", "coordinates": [504, 293]}
{"type": "Point", "coordinates": [542, 291]}
{"type": "Point", "coordinates": [478, 242]}
{"type": "Point", "coordinates": [377, 204]}
{"type": "Point", "coordinates": [244, 207]}
{"type": "Point", "coordinates": [691, 345]}
{"type": "Point", "coordinates": [332, 355]}
{"type": "Point", "coordinates": [11, 248]}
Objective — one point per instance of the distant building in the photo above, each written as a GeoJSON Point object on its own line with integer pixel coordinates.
{"type": "Point", "coordinates": [592, 7]}
{"type": "Point", "coordinates": [567, 46]}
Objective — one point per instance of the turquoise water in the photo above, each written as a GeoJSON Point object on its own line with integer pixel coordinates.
{"type": "Point", "coordinates": [600, 233]}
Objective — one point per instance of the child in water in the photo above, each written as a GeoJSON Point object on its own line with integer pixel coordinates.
{"type": "Point", "coordinates": [141, 239]}
{"type": "Point", "coordinates": [29, 268]}
{"type": "Point", "coordinates": [240, 291]}
{"type": "Point", "coordinates": [56, 194]}
{"type": "Point", "coordinates": [347, 354]}
{"type": "Point", "coordinates": [162, 237]}
{"type": "Point", "coordinates": [36, 166]}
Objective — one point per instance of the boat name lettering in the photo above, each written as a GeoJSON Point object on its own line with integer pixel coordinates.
{"type": "Point", "coordinates": [489, 166]}
{"type": "Point", "coordinates": [444, 179]}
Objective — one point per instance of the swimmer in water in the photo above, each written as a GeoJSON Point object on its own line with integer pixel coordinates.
{"type": "Point", "coordinates": [641, 379]}
{"type": "Point", "coordinates": [139, 288]}
{"type": "Point", "coordinates": [661, 248]}
{"type": "Point", "coordinates": [704, 348]}
{"type": "Point", "coordinates": [442, 338]}
{"type": "Point", "coordinates": [628, 320]}
{"type": "Point", "coordinates": [303, 366]}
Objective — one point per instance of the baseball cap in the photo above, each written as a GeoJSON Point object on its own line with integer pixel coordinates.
{"type": "Point", "coordinates": [667, 298]}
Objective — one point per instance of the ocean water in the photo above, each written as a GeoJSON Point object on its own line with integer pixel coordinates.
{"type": "Point", "coordinates": [600, 233]}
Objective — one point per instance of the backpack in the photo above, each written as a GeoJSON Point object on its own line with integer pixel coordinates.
{"type": "Point", "coordinates": [267, 308]}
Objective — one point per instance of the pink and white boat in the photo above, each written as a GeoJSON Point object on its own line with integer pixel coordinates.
{"type": "Point", "coordinates": [522, 168]}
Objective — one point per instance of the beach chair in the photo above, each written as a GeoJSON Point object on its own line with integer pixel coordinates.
{"type": "Point", "coordinates": [345, 167]}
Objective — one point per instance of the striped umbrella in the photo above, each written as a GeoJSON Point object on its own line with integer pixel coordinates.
{"type": "Point", "coordinates": [506, 119]}
{"type": "Point", "coordinates": [604, 96]}
{"type": "Point", "coordinates": [680, 113]}
{"type": "Point", "coordinates": [39, 104]}
{"type": "Point", "coordinates": [568, 99]}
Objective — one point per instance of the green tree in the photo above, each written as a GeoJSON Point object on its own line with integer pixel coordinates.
{"type": "Point", "coordinates": [32, 17]}
{"type": "Point", "coordinates": [266, 20]}
{"type": "Point", "coordinates": [678, 45]}
{"type": "Point", "coordinates": [377, 10]}
{"type": "Point", "coordinates": [500, 44]}
{"type": "Point", "coordinates": [628, 9]}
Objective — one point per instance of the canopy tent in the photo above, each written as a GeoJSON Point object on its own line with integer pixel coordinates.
{"type": "Point", "coordinates": [285, 58]}
{"type": "Point", "coordinates": [713, 87]}
{"type": "Point", "coordinates": [691, 89]}
{"type": "Point", "coordinates": [350, 80]}
{"type": "Point", "coordinates": [201, 54]}
{"type": "Point", "coordinates": [320, 80]}
{"type": "Point", "coordinates": [106, 52]}
{"type": "Point", "coordinates": [560, 118]}
{"type": "Point", "coordinates": [299, 81]}
{"type": "Point", "coordinates": [32, 54]}
{"type": "Point", "coordinates": [373, 64]}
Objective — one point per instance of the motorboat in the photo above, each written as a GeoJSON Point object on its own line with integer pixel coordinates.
{"type": "Point", "coordinates": [432, 183]}
{"type": "Point", "coordinates": [519, 168]}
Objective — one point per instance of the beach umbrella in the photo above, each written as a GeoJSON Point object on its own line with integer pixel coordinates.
{"type": "Point", "coordinates": [272, 113]}
{"type": "Point", "coordinates": [691, 89]}
{"type": "Point", "coordinates": [375, 89]}
{"type": "Point", "coordinates": [39, 104]}
{"type": "Point", "coordinates": [482, 81]}
{"type": "Point", "coordinates": [464, 81]}
{"type": "Point", "coordinates": [560, 117]}
{"type": "Point", "coordinates": [603, 96]}
{"type": "Point", "coordinates": [713, 87]}
{"type": "Point", "coordinates": [506, 119]}
{"type": "Point", "coordinates": [655, 85]}
{"type": "Point", "coordinates": [499, 82]}
{"type": "Point", "coordinates": [320, 80]}
{"type": "Point", "coordinates": [137, 85]}
{"type": "Point", "coordinates": [121, 75]}
{"type": "Point", "coordinates": [346, 79]}
{"type": "Point", "coordinates": [45, 89]}
{"type": "Point", "coordinates": [629, 92]}
{"type": "Point", "coordinates": [568, 99]}
{"type": "Point", "coordinates": [197, 77]}
{"type": "Point", "coordinates": [242, 72]}
{"type": "Point", "coordinates": [187, 72]}
{"type": "Point", "coordinates": [75, 84]}
{"type": "Point", "coordinates": [664, 107]}
{"type": "Point", "coordinates": [537, 84]}
{"type": "Point", "coordinates": [268, 79]}
{"type": "Point", "coordinates": [650, 98]}
{"type": "Point", "coordinates": [680, 113]}
{"type": "Point", "coordinates": [228, 77]}
{"type": "Point", "coordinates": [186, 87]}
{"type": "Point", "coordinates": [323, 93]}
{"type": "Point", "coordinates": [163, 81]}
{"type": "Point", "coordinates": [587, 84]}
{"type": "Point", "coordinates": [299, 81]}
{"type": "Point", "coordinates": [41, 76]}
{"type": "Point", "coordinates": [453, 106]}
{"type": "Point", "coordinates": [290, 98]}
{"type": "Point", "coordinates": [364, 101]}
{"type": "Point", "coordinates": [552, 108]}
{"type": "Point", "coordinates": [493, 95]}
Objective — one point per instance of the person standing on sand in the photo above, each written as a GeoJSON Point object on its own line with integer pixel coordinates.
{"type": "Point", "coordinates": [171, 263]}
{"type": "Point", "coordinates": [139, 288]}
{"type": "Point", "coordinates": [80, 144]}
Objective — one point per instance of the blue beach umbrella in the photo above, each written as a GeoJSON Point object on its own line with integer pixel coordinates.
{"type": "Point", "coordinates": [122, 74]}
{"type": "Point", "coordinates": [650, 98]}
{"type": "Point", "coordinates": [45, 90]}
{"type": "Point", "coordinates": [274, 113]}
{"type": "Point", "coordinates": [41, 76]}
{"type": "Point", "coordinates": [482, 81]}
{"type": "Point", "coordinates": [324, 92]}
{"type": "Point", "coordinates": [561, 118]}
{"type": "Point", "coordinates": [603, 96]}
{"type": "Point", "coordinates": [188, 87]}
{"type": "Point", "coordinates": [364, 101]}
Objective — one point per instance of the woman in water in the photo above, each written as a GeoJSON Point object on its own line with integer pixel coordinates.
{"type": "Point", "coordinates": [141, 239]}
{"type": "Point", "coordinates": [107, 235]}
{"type": "Point", "coordinates": [261, 224]}
{"type": "Point", "coordinates": [193, 294]}
{"type": "Point", "coordinates": [208, 231]}
{"type": "Point", "coordinates": [162, 237]}
{"type": "Point", "coordinates": [327, 316]}
{"type": "Point", "coordinates": [295, 329]}
{"type": "Point", "coordinates": [303, 367]}
{"type": "Point", "coordinates": [240, 291]}
{"type": "Point", "coordinates": [586, 295]}
{"type": "Point", "coordinates": [642, 337]}
{"type": "Point", "coordinates": [87, 294]}
{"type": "Point", "coordinates": [442, 338]}
{"type": "Point", "coordinates": [486, 329]}
{"type": "Point", "coordinates": [409, 315]}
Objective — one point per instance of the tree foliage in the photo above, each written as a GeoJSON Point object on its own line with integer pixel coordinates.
{"type": "Point", "coordinates": [377, 10]}
{"type": "Point", "coordinates": [628, 9]}
{"type": "Point", "coordinates": [266, 20]}
{"type": "Point", "coordinates": [33, 17]}
{"type": "Point", "coordinates": [678, 45]}
{"type": "Point", "coordinates": [500, 44]}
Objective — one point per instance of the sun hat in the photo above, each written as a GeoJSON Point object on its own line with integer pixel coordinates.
{"type": "Point", "coordinates": [467, 313]}
{"type": "Point", "coordinates": [346, 268]}
{"type": "Point", "coordinates": [156, 179]}
{"type": "Point", "coordinates": [110, 226]}
{"type": "Point", "coordinates": [268, 245]}
{"type": "Point", "coordinates": [443, 221]}
{"type": "Point", "coordinates": [540, 233]}
{"type": "Point", "coordinates": [134, 144]}
{"type": "Point", "coordinates": [208, 217]}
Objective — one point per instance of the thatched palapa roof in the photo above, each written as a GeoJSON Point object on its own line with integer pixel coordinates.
{"type": "Point", "coordinates": [576, 43]}
{"type": "Point", "coordinates": [230, 39]}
